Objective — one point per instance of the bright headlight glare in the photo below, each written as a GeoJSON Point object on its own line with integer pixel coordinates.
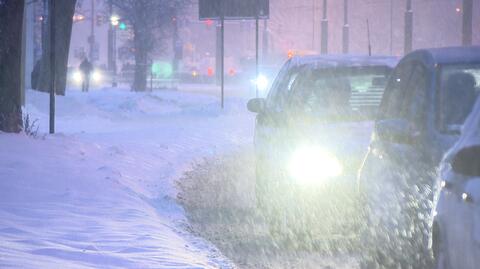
{"type": "Point", "coordinates": [312, 164]}
{"type": "Point", "coordinates": [77, 77]}
{"type": "Point", "coordinates": [262, 82]}
{"type": "Point", "coordinates": [96, 76]}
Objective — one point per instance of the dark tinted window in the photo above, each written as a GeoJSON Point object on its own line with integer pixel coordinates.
{"type": "Point", "coordinates": [415, 101]}
{"type": "Point", "coordinates": [459, 87]}
{"type": "Point", "coordinates": [395, 93]}
{"type": "Point", "coordinates": [281, 87]}
{"type": "Point", "coordinates": [345, 93]}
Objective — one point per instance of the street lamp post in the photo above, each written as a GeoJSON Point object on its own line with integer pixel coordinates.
{"type": "Point", "coordinates": [112, 29]}
{"type": "Point", "coordinates": [91, 39]}
{"type": "Point", "coordinates": [345, 27]}
{"type": "Point", "coordinates": [112, 46]}
{"type": "Point", "coordinates": [391, 27]}
{"type": "Point", "coordinates": [467, 22]}
{"type": "Point", "coordinates": [51, 48]}
{"type": "Point", "coordinates": [324, 42]}
{"type": "Point", "coordinates": [408, 28]}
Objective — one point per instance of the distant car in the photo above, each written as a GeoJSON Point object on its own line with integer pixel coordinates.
{"type": "Point", "coordinates": [426, 101]}
{"type": "Point", "coordinates": [98, 77]}
{"type": "Point", "coordinates": [456, 223]}
{"type": "Point", "coordinates": [312, 131]}
{"type": "Point", "coordinates": [264, 80]}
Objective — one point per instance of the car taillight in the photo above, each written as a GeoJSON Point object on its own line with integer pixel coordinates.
{"type": "Point", "coordinates": [210, 72]}
{"type": "Point", "coordinates": [467, 161]}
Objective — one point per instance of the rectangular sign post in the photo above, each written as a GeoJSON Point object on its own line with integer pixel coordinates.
{"type": "Point", "coordinates": [234, 10]}
{"type": "Point", "coordinates": [222, 59]}
{"type": "Point", "coordinates": [52, 42]}
{"type": "Point", "coordinates": [256, 57]}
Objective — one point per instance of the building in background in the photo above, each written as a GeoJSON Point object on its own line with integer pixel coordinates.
{"type": "Point", "coordinates": [293, 28]}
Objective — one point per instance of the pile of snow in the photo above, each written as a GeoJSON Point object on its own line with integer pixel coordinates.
{"type": "Point", "coordinates": [100, 193]}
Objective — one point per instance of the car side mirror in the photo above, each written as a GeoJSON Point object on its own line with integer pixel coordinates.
{"type": "Point", "coordinates": [394, 130]}
{"type": "Point", "coordinates": [256, 105]}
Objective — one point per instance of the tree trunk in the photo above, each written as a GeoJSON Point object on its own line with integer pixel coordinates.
{"type": "Point", "coordinates": [11, 26]}
{"type": "Point", "coordinates": [64, 11]}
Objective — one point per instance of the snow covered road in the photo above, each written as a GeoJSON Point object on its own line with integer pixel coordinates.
{"type": "Point", "coordinates": [100, 193]}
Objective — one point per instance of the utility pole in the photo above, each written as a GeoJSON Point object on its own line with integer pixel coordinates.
{"type": "Point", "coordinates": [177, 46]}
{"type": "Point", "coordinates": [368, 39]}
{"type": "Point", "coordinates": [256, 56]}
{"type": "Point", "coordinates": [44, 25]}
{"type": "Point", "coordinates": [222, 58]}
{"type": "Point", "coordinates": [91, 39]}
{"type": "Point", "coordinates": [345, 27]}
{"type": "Point", "coordinates": [467, 22]}
{"type": "Point", "coordinates": [314, 11]}
{"type": "Point", "coordinates": [391, 27]}
{"type": "Point", "coordinates": [51, 48]}
{"type": "Point", "coordinates": [110, 36]}
{"type": "Point", "coordinates": [408, 28]}
{"type": "Point", "coordinates": [112, 43]}
{"type": "Point", "coordinates": [265, 40]}
{"type": "Point", "coordinates": [218, 54]}
{"type": "Point", "coordinates": [324, 42]}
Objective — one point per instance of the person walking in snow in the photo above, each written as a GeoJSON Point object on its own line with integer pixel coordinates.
{"type": "Point", "coordinates": [86, 68]}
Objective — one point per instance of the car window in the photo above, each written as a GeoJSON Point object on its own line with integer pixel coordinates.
{"type": "Point", "coordinates": [415, 101]}
{"type": "Point", "coordinates": [279, 94]}
{"type": "Point", "coordinates": [278, 79]}
{"type": "Point", "coordinates": [395, 93]}
{"type": "Point", "coordinates": [346, 93]}
{"type": "Point", "coordinates": [459, 88]}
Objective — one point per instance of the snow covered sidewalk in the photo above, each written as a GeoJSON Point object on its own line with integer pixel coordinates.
{"type": "Point", "coordinates": [100, 194]}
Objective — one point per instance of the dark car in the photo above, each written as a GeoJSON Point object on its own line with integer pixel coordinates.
{"type": "Point", "coordinates": [311, 134]}
{"type": "Point", "coordinates": [426, 101]}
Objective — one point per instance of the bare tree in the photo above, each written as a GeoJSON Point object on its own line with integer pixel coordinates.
{"type": "Point", "coordinates": [149, 19]}
{"type": "Point", "coordinates": [11, 24]}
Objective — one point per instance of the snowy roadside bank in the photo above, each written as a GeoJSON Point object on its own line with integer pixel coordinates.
{"type": "Point", "coordinates": [100, 194]}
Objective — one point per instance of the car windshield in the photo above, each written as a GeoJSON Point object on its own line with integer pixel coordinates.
{"type": "Point", "coordinates": [339, 94]}
{"type": "Point", "coordinates": [459, 88]}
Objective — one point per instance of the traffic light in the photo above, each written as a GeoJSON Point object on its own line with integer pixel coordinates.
{"type": "Point", "coordinates": [122, 26]}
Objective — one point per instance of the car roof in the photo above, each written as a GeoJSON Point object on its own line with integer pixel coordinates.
{"type": "Point", "coordinates": [447, 55]}
{"type": "Point", "coordinates": [346, 60]}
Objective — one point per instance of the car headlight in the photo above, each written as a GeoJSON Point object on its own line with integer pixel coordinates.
{"type": "Point", "coordinates": [77, 77]}
{"type": "Point", "coordinates": [96, 76]}
{"type": "Point", "coordinates": [313, 164]}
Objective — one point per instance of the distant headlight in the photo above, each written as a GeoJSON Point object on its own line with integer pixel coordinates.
{"type": "Point", "coordinates": [77, 77]}
{"type": "Point", "coordinates": [96, 76]}
{"type": "Point", "coordinates": [312, 164]}
{"type": "Point", "coordinates": [261, 82]}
